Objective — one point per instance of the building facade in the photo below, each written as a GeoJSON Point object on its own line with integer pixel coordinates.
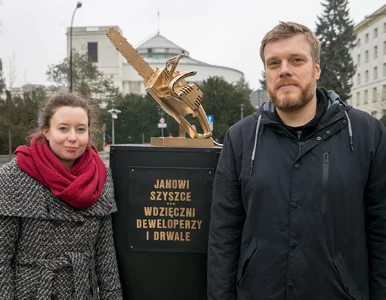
{"type": "Point", "coordinates": [368, 92]}
{"type": "Point", "coordinates": [156, 51]}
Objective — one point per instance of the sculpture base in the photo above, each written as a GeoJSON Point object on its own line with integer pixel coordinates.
{"type": "Point", "coordinates": [166, 260]}
{"type": "Point", "coordinates": [180, 142]}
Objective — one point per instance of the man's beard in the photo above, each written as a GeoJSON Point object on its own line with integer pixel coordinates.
{"type": "Point", "coordinates": [286, 105]}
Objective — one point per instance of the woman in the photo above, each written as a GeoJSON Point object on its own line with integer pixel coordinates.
{"type": "Point", "coordinates": [56, 200]}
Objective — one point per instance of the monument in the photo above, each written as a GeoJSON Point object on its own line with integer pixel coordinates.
{"type": "Point", "coordinates": [164, 191]}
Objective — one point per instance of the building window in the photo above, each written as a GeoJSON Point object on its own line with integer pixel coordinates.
{"type": "Point", "coordinates": [375, 33]}
{"type": "Point", "coordinates": [366, 38]}
{"type": "Point", "coordinates": [384, 69]}
{"type": "Point", "coordinates": [384, 48]}
{"type": "Point", "coordinates": [359, 79]}
{"type": "Point", "coordinates": [358, 98]}
{"type": "Point", "coordinates": [366, 76]}
{"type": "Point", "coordinates": [374, 94]}
{"type": "Point", "coordinates": [92, 50]}
{"type": "Point", "coordinates": [359, 42]}
{"type": "Point", "coordinates": [367, 56]}
{"type": "Point", "coordinates": [383, 92]}
{"type": "Point", "coordinates": [384, 112]}
{"type": "Point", "coordinates": [375, 75]}
{"type": "Point", "coordinates": [384, 27]}
{"type": "Point", "coordinates": [366, 97]}
{"type": "Point", "coordinates": [359, 60]}
{"type": "Point", "coordinates": [375, 52]}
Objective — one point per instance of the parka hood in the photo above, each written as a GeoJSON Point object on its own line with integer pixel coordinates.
{"type": "Point", "coordinates": [335, 105]}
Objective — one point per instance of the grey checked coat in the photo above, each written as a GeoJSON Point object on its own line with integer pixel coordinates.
{"type": "Point", "coordinates": [49, 250]}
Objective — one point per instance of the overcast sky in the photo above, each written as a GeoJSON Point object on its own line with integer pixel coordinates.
{"type": "Point", "coordinates": [220, 32]}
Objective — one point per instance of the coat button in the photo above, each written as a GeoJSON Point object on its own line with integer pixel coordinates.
{"type": "Point", "coordinates": [297, 166]}
{"type": "Point", "coordinates": [294, 205]}
{"type": "Point", "coordinates": [54, 297]}
{"type": "Point", "coordinates": [91, 291]}
{"type": "Point", "coordinates": [293, 246]}
{"type": "Point", "coordinates": [318, 138]}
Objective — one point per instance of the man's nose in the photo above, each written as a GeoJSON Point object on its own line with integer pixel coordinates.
{"type": "Point", "coordinates": [285, 70]}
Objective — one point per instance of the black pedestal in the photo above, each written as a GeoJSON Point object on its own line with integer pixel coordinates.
{"type": "Point", "coordinates": [161, 228]}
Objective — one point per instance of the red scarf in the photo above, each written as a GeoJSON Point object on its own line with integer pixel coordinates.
{"type": "Point", "coordinates": [80, 187]}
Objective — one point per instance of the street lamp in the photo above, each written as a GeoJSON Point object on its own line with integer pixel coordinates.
{"type": "Point", "coordinates": [114, 115]}
{"type": "Point", "coordinates": [241, 111]}
{"type": "Point", "coordinates": [78, 5]}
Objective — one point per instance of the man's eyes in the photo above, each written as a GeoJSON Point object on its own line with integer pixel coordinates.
{"type": "Point", "coordinates": [276, 63]}
{"type": "Point", "coordinates": [273, 63]}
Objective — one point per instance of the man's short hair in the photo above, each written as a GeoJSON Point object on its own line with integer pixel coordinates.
{"type": "Point", "coordinates": [290, 29]}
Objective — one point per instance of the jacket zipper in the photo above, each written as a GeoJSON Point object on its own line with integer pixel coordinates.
{"type": "Point", "coordinates": [300, 144]}
{"type": "Point", "coordinates": [326, 166]}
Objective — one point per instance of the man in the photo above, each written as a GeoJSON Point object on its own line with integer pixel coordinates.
{"type": "Point", "coordinates": [299, 198]}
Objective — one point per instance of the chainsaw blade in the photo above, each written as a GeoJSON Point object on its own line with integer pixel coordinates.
{"type": "Point", "coordinates": [130, 54]}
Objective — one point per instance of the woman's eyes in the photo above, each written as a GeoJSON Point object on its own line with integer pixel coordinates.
{"type": "Point", "coordinates": [65, 129]}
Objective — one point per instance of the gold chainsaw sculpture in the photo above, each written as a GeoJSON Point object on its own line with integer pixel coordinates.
{"type": "Point", "coordinates": [170, 90]}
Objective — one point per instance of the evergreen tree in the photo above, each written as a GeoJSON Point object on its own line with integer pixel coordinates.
{"type": "Point", "coordinates": [335, 30]}
{"type": "Point", "coordinates": [243, 87]}
{"type": "Point", "coordinates": [223, 100]}
{"type": "Point", "coordinates": [18, 118]}
{"type": "Point", "coordinates": [139, 115]}
{"type": "Point", "coordinates": [262, 81]}
{"type": "Point", "coordinates": [383, 120]}
{"type": "Point", "coordinates": [2, 81]}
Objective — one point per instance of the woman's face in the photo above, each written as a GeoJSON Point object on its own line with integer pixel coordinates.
{"type": "Point", "coordinates": [68, 134]}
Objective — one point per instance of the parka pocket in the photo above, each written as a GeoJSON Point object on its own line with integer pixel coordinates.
{"type": "Point", "coordinates": [346, 277]}
{"type": "Point", "coordinates": [245, 259]}
{"type": "Point", "coordinates": [326, 170]}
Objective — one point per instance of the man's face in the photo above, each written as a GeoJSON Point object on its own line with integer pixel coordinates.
{"type": "Point", "coordinates": [291, 73]}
